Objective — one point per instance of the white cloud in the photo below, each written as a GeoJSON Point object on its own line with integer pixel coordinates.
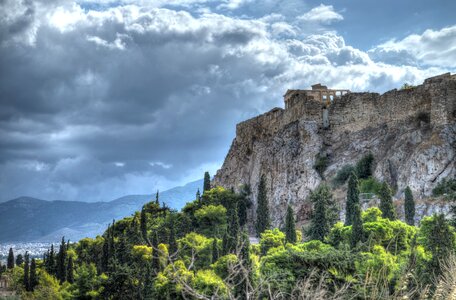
{"type": "Point", "coordinates": [129, 96]}
{"type": "Point", "coordinates": [324, 14]}
{"type": "Point", "coordinates": [431, 48]}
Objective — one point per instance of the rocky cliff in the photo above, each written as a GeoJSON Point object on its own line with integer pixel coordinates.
{"type": "Point", "coordinates": [411, 133]}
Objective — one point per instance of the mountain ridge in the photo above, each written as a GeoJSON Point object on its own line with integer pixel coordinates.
{"type": "Point", "coordinates": [31, 219]}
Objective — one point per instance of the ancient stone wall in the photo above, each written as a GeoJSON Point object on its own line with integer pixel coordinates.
{"type": "Point", "coordinates": [411, 133]}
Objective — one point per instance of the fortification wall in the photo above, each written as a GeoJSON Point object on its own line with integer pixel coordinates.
{"type": "Point", "coordinates": [432, 101]}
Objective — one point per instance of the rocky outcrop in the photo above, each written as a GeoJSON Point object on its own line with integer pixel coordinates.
{"type": "Point", "coordinates": [410, 132]}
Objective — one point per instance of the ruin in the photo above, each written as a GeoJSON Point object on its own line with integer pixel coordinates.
{"type": "Point", "coordinates": [411, 133]}
{"type": "Point", "coordinates": [318, 92]}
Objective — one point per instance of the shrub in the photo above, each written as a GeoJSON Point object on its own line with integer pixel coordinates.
{"type": "Point", "coordinates": [285, 266]}
{"type": "Point", "coordinates": [208, 283]}
{"type": "Point", "coordinates": [446, 187]}
{"type": "Point", "coordinates": [342, 175]}
{"type": "Point", "coordinates": [271, 239]}
{"type": "Point", "coordinates": [364, 167]}
{"type": "Point", "coordinates": [394, 236]}
{"type": "Point", "coordinates": [321, 163]}
{"type": "Point", "coordinates": [211, 220]}
{"type": "Point", "coordinates": [363, 170]}
{"type": "Point", "coordinates": [224, 265]}
{"type": "Point", "coordinates": [370, 185]}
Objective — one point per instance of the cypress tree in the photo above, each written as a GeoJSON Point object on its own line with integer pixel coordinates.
{"type": "Point", "coordinates": [143, 224]}
{"type": "Point", "coordinates": [357, 227]}
{"type": "Point", "coordinates": [61, 262]}
{"type": "Point", "coordinates": [225, 243]}
{"type": "Point", "coordinates": [290, 228]}
{"type": "Point", "coordinates": [10, 261]}
{"type": "Point", "coordinates": [207, 182]}
{"type": "Point", "coordinates": [70, 273]}
{"type": "Point", "coordinates": [233, 232]}
{"type": "Point", "coordinates": [352, 198]}
{"type": "Point", "coordinates": [198, 196]}
{"type": "Point", "coordinates": [155, 258]}
{"type": "Point", "coordinates": [409, 207]}
{"type": "Point", "coordinates": [244, 204]}
{"type": "Point", "coordinates": [123, 250]}
{"type": "Point", "coordinates": [386, 202]}
{"type": "Point", "coordinates": [51, 261]}
{"type": "Point", "coordinates": [324, 213]}
{"type": "Point", "coordinates": [215, 252]}
{"type": "Point", "coordinates": [263, 221]}
{"type": "Point", "coordinates": [26, 278]}
{"type": "Point", "coordinates": [19, 259]}
{"type": "Point", "coordinates": [157, 201]}
{"type": "Point", "coordinates": [33, 278]}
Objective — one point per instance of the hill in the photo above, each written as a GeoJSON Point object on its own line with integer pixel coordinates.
{"type": "Point", "coordinates": [410, 132]}
{"type": "Point", "coordinates": [30, 219]}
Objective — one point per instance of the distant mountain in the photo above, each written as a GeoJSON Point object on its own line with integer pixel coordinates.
{"type": "Point", "coordinates": [27, 219]}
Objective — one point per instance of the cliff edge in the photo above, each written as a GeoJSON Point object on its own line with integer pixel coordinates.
{"type": "Point", "coordinates": [411, 133]}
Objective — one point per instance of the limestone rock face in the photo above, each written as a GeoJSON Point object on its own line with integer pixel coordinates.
{"type": "Point", "coordinates": [410, 132]}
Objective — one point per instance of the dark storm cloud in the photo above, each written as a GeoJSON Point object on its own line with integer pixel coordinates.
{"type": "Point", "coordinates": [99, 104]}
{"type": "Point", "coordinates": [114, 98]}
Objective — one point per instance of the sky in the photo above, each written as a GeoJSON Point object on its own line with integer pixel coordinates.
{"type": "Point", "coordinates": [100, 99]}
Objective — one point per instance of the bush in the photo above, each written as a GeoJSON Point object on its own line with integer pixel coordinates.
{"type": "Point", "coordinates": [271, 239]}
{"type": "Point", "coordinates": [447, 188]}
{"type": "Point", "coordinates": [208, 283]}
{"type": "Point", "coordinates": [211, 220]}
{"type": "Point", "coordinates": [321, 163]}
{"type": "Point", "coordinates": [364, 167]}
{"type": "Point", "coordinates": [369, 185]}
{"type": "Point", "coordinates": [284, 267]}
{"type": "Point", "coordinates": [342, 175]}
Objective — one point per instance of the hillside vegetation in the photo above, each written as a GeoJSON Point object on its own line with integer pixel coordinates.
{"type": "Point", "coordinates": [204, 252]}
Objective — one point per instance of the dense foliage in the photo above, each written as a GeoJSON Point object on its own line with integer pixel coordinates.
{"type": "Point", "coordinates": [204, 252]}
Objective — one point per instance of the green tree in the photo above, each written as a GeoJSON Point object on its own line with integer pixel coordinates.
{"type": "Point", "coordinates": [157, 200]}
{"type": "Point", "coordinates": [172, 238]}
{"type": "Point", "coordinates": [263, 221]}
{"type": "Point", "coordinates": [409, 207]}
{"type": "Point", "coordinates": [357, 233]}
{"type": "Point", "coordinates": [244, 203]}
{"type": "Point", "coordinates": [50, 261]}
{"type": "Point", "coordinates": [438, 239]}
{"type": "Point", "coordinates": [244, 276]}
{"type": "Point", "coordinates": [207, 182]}
{"type": "Point", "coordinates": [386, 202]}
{"type": "Point", "coordinates": [26, 278]}
{"type": "Point", "coordinates": [143, 224]}
{"type": "Point", "coordinates": [364, 167]}
{"type": "Point", "coordinates": [233, 231]}
{"type": "Point", "coordinates": [155, 257]}
{"type": "Point", "coordinates": [87, 282]}
{"type": "Point", "coordinates": [215, 252]}
{"type": "Point", "coordinates": [33, 277]}
{"type": "Point", "coordinates": [19, 260]}
{"type": "Point", "coordinates": [290, 228]}
{"type": "Point", "coordinates": [70, 270]}
{"type": "Point", "coordinates": [352, 199]}
{"type": "Point", "coordinates": [211, 220]}
{"type": "Point", "coordinates": [61, 262]}
{"type": "Point", "coordinates": [10, 261]}
{"type": "Point", "coordinates": [324, 213]}
{"type": "Point", "coordinates": [225, 244]}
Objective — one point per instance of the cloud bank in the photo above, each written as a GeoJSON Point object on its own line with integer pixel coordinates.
{"type": "Point", "coordinates": [99, 100]}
